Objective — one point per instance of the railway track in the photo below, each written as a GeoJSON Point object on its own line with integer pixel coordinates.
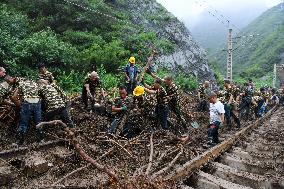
{"type": "Point", "coordinates": [251, 158]}
{"type": "Point", "coordinates": [254, 160]}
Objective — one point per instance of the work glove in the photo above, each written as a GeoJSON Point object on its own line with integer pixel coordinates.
{"type": "Point", "coordinates": [124, 108]}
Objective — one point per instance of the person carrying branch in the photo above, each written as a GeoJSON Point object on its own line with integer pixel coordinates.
{"type": "Point", "coordinates": [92, 90]}
{"type": "Point", "coordinates": [162, 108]}
{"type": "Point", "coordinates": [55, 103]}
{"type": "Point", "coordinates": [30, 104]}
{"type": "Point", "coordinates": [173, 96]}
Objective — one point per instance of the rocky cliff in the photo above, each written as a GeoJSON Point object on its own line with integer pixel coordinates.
{"type": "Point", "coordinates": [186, 55]}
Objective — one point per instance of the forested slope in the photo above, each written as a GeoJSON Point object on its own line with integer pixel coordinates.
{"type": "Point", "coordinates": [73, 40]}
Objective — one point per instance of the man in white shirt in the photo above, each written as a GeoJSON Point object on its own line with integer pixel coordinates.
{"type": "Point", "coordinates": [217, 112]}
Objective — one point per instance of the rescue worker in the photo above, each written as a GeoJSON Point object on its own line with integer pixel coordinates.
{"type": "Point", "coordinates": [274, 97]}
{"type": "Point", "coordinates": [250, 85]}
{"type": "Point", "coordinates": [2, 72]}
{"type": "Point", "coordinates": [228, 101]}
{"type": "Point", "coordinates": [4, 92]}
{"type": "Point", "coordinates": [54, 102]}
{"type": "Point", "coordinates": [92, 90]}
{"type": "Point", "coordinates": [44, 74]}
{"type": "Point", "coordinates": [162, 109]}
{"type": "Point", "coordinates": [173, 98]}
{"type": "Point", "coordinates": [203, 92]}
{"type": "Point", "coordinates": [217, 112]}
{"type": "Point", "coordinates": [131, 75]}
{"type": "Point", "coordinates": [119, 108]}
{"type": "Point", "coordinates": [246, 102]}
{"type": "Point", "coordinates": [30, 104]}
{"type": "Point", "coordinates": [262, 102]}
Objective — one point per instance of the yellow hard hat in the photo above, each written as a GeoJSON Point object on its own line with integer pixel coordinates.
{"type": "Point", "coordinates": [138, 91]}
{"type": "Point", "coordinates": [132, 60]}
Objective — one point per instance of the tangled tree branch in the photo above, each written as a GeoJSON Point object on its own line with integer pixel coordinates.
{"type": "Point", "coordinates": [79, 149]}
{"type": "Point", "coordinates": [151, 156]}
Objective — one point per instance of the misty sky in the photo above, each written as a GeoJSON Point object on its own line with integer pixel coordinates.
{"type": "Point", "coordinates": [190, 11]}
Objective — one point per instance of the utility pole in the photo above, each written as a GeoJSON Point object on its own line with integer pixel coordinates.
{"type": "Point", "coordinates": [274, 76]}
{"type": "Point", "coordinates": [230, 56]}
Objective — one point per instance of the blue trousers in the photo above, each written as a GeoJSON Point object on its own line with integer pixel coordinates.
{"type": "Point", "coordinates": [162, 113]}
{"type": "Point", "coordinates": [27, 111]}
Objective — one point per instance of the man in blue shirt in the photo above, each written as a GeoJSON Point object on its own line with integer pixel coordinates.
{"type": "Point", "coordinates": [131, 75]}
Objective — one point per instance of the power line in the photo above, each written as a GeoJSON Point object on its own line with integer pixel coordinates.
{"type": "Point", "coordinates": [95, 11]}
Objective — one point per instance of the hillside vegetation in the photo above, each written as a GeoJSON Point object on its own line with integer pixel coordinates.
{"type": "Point", "coordinates": [255, 55]}
{"type": "Point", "coordinates": [73, 41]}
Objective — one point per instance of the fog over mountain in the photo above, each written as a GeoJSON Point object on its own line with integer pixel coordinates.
{"type": "Point", "coordinates": [201, 17]}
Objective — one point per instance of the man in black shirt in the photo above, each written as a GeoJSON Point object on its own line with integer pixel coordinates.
{"type": "Point", "coordinates": [92, 90]}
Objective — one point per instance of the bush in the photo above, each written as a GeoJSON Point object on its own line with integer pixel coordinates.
{"type": "Point", "coordinates": [45, 46]}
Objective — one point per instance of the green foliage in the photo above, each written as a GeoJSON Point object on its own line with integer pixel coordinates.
{"type": "Point", "coordinates": [13, 23]}
{"type": "Point", "coordinates": [72, 81]}
{"type": "Point", "coordinates": [109, 80]}
{"type": "Point", "coordinates": [44, 46]}
{"type": "Point", "coordinates": [68, 38]}
{"type": "Point", "coordinates": [112, 55]}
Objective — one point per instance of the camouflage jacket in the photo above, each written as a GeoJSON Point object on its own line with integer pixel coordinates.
{"type": "Point", "coordinates": [4, 92]}
{"type": "Point", "coordinates": [119, 103]}
{"type": "Point", "coordinates": [172, 93]}
{"type": "Point", "coordinates": [161, 96]}
{"type": "Point", "coordinates": [46, 76]}
{"type": "Point", "coordinates": [203, 92]}
{"type": "Point", "coordinates": [228, 92]}
{"type": "Point", "coordinates": [27, 89]}
{"type": "Point", "coordinates": [51, 97]}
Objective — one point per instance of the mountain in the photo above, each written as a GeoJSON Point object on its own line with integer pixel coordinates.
{"type": "Point", "coordinates": [211, 33]}
{"type": "Point", "coordinates": [74, 37]}
{"type": "Point", "coordinates": [260, 46]}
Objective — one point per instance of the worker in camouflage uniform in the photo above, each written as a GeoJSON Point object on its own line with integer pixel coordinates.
{"type": "Point", "coordinates": [2, 72]}
{"type": "Point", "coordinates": [203, 92]}
{"type": "Point", "coordinates": [228, 104]}
{"type": "Point", "coordinates": [246, 101]}
{"type": "Point", "coordinates": [162, 109]}
{"type": "Point", "coordinates": [55, 103]}
{"type": "Point", "coordinates": [44, 74]}
{"type": "Point", "coordinates": [262, 102]}
{"type": "Point", "coordinates": [173, 96]}
{"type": "Point", "coordinates": [4, 93]}
{"type": "Point", "coordinates": [119, 109]}
{"type": "Point", "coordinates": [92, 90]}
{"type": "Point", "coordinates": [30, 104]}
